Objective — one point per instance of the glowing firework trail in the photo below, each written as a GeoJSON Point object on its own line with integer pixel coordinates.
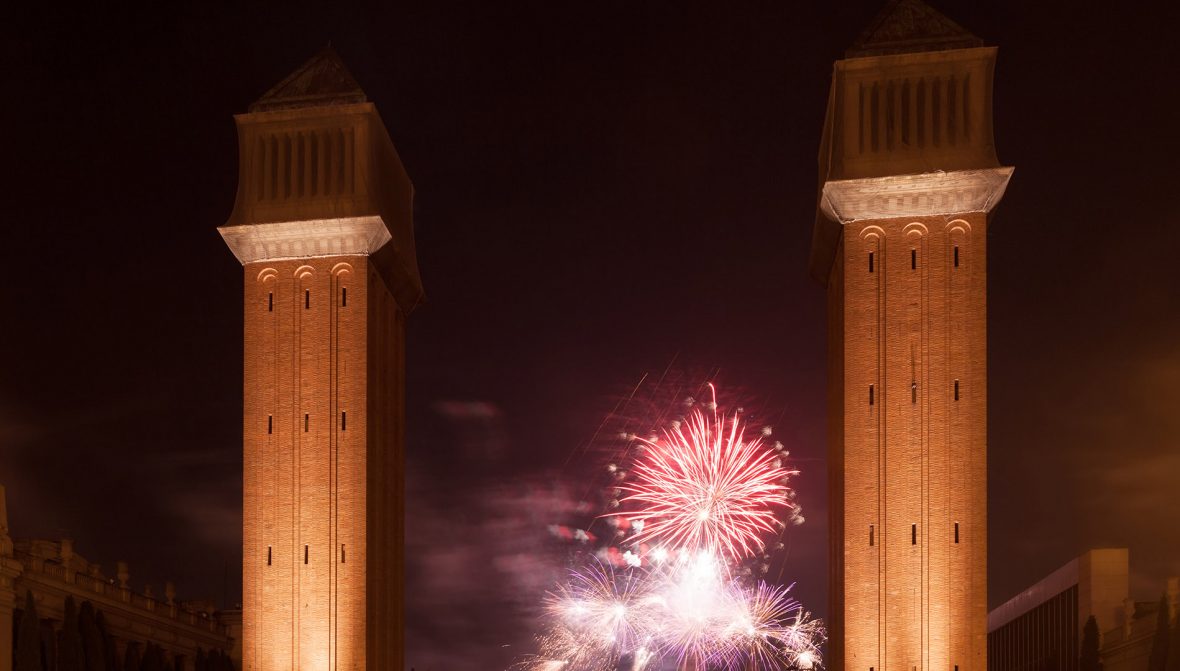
{"type": "Point", "coordinates": [703, 484]}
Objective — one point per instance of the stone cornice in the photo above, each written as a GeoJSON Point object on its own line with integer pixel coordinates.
{"type": "Point", "coordinates": [348, 236]}
{"type": "Point", "coordinates": [924, 194]}
{"type": "Point", "coordinates": [122, 615]}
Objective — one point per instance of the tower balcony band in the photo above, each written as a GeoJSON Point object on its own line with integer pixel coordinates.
{"type": "Point", "coordinates": [908, 129]}
{"type": "Point", "coordinates": [319, 176]}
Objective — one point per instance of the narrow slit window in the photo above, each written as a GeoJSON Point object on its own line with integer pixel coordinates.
{"type": "Point", "coordinates": [270, 424]}
{"type": "Point", "coordinates": [343, 420]}
{"type": "Point", "coordinates": [956, 541]}
{"type": "Point", "coordinates": [913, 534]}
{"type": "Point", "coordinates": [956, 390]}
{"type": "Point", "coordinates": [871, 395]}
{"type": "Point", "coordinates": [872, 535]}
{"type": "Point", "coordinates": [956, 265]}
{"type": "Point", "coordinates": [874, 115]}
{"type": "Point", "coordinates": [268, 555]}
{"type": "Point", "coordinates": [342, 555]}
{"type": "Point", "coordinates": [305, 554]}
{"type": "Point", "coordinates": [913, 259]}
{"type": "Point", "coordinates": [306, 422]}
{"type": "Point", "coordinates": [344, 290]}
{"type": "Point", "coordinates": [307, 299]}
{"type": "Point", "coordinates": [913, 392]}
{"type": "Point", "coordinates": [270, 302]}
{"type": "Point", "coordinates": [870, 262]}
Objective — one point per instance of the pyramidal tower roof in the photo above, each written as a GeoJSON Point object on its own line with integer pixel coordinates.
{"type": "Point", "coordinates": [323, 80]}
{"type": "Point", "coordinates": [908, 26]}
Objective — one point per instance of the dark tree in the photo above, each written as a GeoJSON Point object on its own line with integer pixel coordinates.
{"type": "Point", "coordinates": [69, 641]}
{"type": "Point", "coordinates": [153, 658]}
{"type": "Point", "coordinates": [108, 643]}
{"type": "Point", "coordinates": [28, 638]}
{"type": "Point", "coordinates": [95, 656]}
{"type": "Point", "coordinates": [1158, 661]}
{"type": "Point", "coordinates": [1090, 660]}
{"type": "Point", "coordinates": [131, 657]}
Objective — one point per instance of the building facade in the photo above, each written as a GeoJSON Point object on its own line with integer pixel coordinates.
{"type": "Point", "coordinates": [908, 178]}
{"type": "Point", "coordinates": [322, 227]}
{"type": "Point", "coordinates": [1041, 628]}
{"type": "Point", "coordinates": [52, 572]}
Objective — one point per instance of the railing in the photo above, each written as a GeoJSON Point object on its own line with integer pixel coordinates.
{"type": "Point", "coordinates": [104, 587]}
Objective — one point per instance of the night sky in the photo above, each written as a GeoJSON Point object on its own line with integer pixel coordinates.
{"type": "Point", "coordinates": [603, 190]}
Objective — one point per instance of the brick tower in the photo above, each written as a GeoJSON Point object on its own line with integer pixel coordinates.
{"type": "Point", "coordinates": [908, 177]}
{"type": "Point", "coordinates": [322, 226]}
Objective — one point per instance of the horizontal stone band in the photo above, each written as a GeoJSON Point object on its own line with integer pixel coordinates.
{"type": "Point", "coordinates": [924, 194]}
{"type": "Point", "coordinates": [349, 236]}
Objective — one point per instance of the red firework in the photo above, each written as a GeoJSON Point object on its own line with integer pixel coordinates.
{"type": "Point", "coordinates": [704, 485]}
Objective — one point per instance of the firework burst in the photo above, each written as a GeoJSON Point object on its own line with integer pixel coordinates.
{"type": "Point", "coordinates": [705, 484]}
{"type": "Point", "coordinates": [604, 604]}
{"type": "Point", "coordinates": [697, 501]}
{"type": "Point", "coordinates": [690, 612]}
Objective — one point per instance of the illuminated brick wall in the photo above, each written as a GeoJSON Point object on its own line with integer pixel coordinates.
{"type": "Point", "coordinates": [910, 350]}
{"type": "Point", "coordinates": [322, 434]}
{"type": "Point", "coordinates": [320, 336]}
